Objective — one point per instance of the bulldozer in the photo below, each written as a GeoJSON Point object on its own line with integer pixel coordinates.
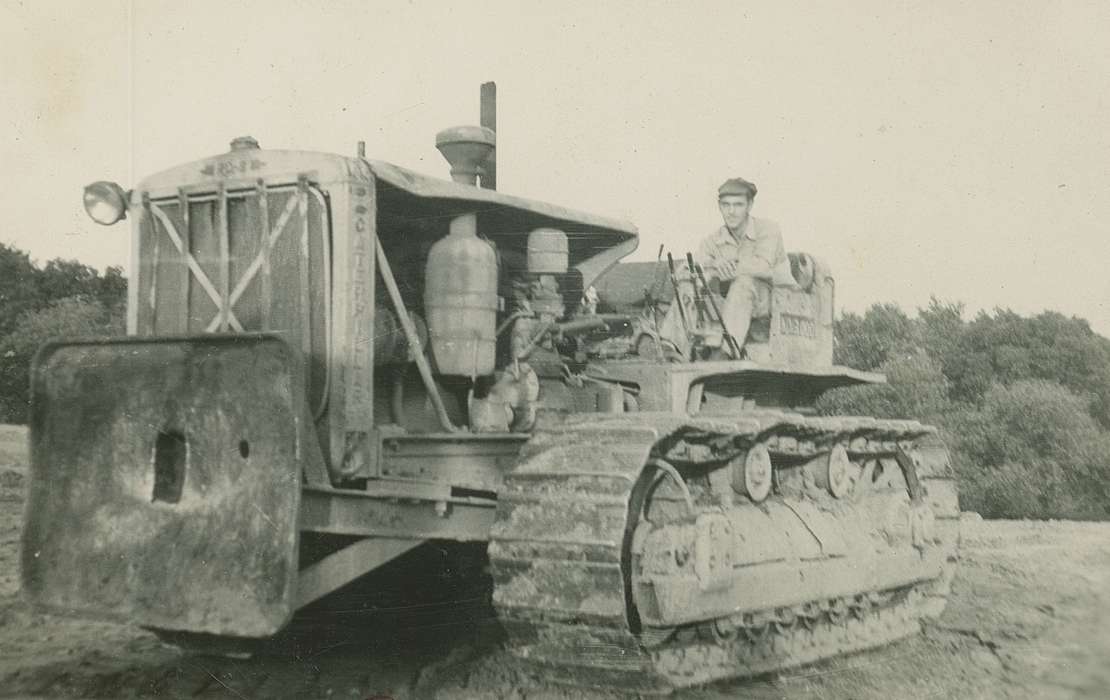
{"type": "Point", "coordinates": [331, 361]}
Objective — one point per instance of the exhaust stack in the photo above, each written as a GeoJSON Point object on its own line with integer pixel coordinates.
{"type": "Point", "coordinates": [489, 120]}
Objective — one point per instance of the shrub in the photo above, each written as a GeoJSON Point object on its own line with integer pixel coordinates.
{"type": "Point", "coordinates": [915, 389]}
{"type": "Point", "coordinates": [67, 318]}
{"type": "Point", "coordinates": [881, 334]}
{"type": "Point", "coordinates": [1031, 450]}
{"type": "Point", "coordinates": [1031, 420]}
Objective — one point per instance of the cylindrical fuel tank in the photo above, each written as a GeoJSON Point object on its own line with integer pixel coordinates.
{"type": "Point", "coordinates": [460, 300]}
{"type": "Point", "coordinates": [548, 252]}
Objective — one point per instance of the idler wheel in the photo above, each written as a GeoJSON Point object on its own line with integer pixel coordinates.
{"type": "Point", "coordinates": [835, 472]}
{"type": "Point", "coordinates": [751, 474]}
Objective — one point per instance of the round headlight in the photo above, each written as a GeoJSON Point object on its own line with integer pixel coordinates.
{"type": "Point", "coordinates": [105, 202]}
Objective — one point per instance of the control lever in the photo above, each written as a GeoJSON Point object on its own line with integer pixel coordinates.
{"type": "Point", "coordinates": [732, 342]}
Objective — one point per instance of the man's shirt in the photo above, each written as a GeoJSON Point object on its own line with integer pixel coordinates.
{"type": "Point", "coordinates": [759, 253]}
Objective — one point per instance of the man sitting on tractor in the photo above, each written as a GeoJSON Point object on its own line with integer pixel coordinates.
{"type": "Point", "coordinates": [741, 260]}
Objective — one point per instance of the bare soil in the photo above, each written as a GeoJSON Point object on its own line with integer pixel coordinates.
{"type": "Point", "coordinates": [1029, 617]}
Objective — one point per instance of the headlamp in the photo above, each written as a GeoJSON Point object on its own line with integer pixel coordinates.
{"type": "Point", "coordinates": [105, 202]}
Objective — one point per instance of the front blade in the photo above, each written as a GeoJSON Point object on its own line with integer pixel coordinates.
{"type": "Point", "coordinates": [165, 482]}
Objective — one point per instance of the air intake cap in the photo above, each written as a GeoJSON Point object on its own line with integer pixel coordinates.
{"type": "Point", "coordinates": [244, 143]}
{"type": "Point", "coordinates": [466, 148]}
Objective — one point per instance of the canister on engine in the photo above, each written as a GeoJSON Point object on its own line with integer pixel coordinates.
{"type": "Point", "coordinates": [460, 300]}
{"type": "Point", "coordinates": [547, 251]}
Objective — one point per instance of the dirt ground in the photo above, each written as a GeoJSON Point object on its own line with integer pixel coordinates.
{"type": "Point", "coordinates": [1029, 617]}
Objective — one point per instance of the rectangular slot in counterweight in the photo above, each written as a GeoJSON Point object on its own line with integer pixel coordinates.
{"type": "Point", "coordinates": [169, 466]}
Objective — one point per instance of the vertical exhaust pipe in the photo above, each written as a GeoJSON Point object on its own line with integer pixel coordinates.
{"type": "Point", "coordinates": [489, 121]}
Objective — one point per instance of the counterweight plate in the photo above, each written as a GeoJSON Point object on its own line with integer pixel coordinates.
{"type": "Point", "coordinates": [165, 482]}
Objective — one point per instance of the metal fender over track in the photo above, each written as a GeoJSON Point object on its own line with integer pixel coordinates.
{"type": "Point", "coordinates": [166, 480]}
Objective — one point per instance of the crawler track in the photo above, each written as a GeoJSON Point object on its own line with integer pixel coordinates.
{"type": "Point", "coordinates": [576, 585]}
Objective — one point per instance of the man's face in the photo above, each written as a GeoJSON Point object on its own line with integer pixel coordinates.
{"type": "Point", "coordinates": [734, 210]}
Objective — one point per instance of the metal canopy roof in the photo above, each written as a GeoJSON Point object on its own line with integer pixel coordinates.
{"type": "Point", "coordinates": [527, 212]}
{"type": "Point", "coordinates": [242, 168]}
{"type": "Point", "coordinates": [406, 199]}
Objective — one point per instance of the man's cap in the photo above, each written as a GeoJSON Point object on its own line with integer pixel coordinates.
{"type": "Point", "coordinates": [737, 186]}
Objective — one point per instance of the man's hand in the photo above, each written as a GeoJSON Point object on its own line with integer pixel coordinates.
{"type": "Point", "coordinates": [726, 270]}
{"type": "Point", "coordinates": [753, 266]}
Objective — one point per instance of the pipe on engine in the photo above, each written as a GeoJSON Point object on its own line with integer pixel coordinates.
{"type": "Point", "coordinates": [391, 345]}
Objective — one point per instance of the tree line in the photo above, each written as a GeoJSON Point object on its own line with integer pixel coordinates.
{"type": "Point", "coordinates": [62, 298]}
{"type": "Point", "coordinates": [1023, 403]}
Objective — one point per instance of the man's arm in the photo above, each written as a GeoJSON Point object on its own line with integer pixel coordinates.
{"type": "Point", "coordinates": [760, 262]}
{"type": "Point", "coordinates": [714, 262]}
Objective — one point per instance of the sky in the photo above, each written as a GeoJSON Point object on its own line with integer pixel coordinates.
{"type": "Point", "coordinates": [951, 149]}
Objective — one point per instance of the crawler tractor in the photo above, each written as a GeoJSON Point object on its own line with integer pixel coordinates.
{"type": "Point", "coordinates": [331, 360]}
